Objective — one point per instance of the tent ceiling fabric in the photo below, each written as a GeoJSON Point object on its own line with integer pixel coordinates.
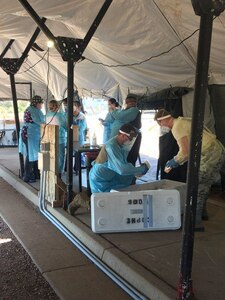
{"type": "Point", "coordinates": [130, 32]}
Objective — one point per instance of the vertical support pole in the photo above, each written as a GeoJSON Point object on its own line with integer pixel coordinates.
{"type": "Point", "coordinates": [15, 107]}
{"type": "Point", "coordinates": [31, 92]}
{"type": "Point", "coordinates": [69, 178]}
{"type": "Point", "coordinates": [201, 81]}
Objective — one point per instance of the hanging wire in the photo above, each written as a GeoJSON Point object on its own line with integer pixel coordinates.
{"type": "Point", "coordinates": [221, 22]}
{"type": "Point", "coordinates": [120, 65]}
{"type": "Point", "coordinates": [131, 64]}
{"type": "Point", "coordinates": [173, 29]}
{"type": "Point", "coordinates": [145, 60]}
{"type": "Point", "coordinates": [48, 67]}
{"type": "Point", "coordinates": [31, 67]}
{"type": "Point", "coordinates": [47, 88]}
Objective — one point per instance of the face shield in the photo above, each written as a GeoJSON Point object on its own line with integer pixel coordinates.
{"type": "Point", "coordinates": [131, 139]}
{"type": "Point", "coordinates": [164, 129]}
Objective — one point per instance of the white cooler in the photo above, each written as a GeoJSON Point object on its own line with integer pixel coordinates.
{"type": "Point", "coordinates": [135, 211]}
{"type": "Point", "coordinates": [163, 184]}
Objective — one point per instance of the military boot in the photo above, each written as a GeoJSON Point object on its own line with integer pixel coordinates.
{"type": "Point", "coordinates": [80, 200]}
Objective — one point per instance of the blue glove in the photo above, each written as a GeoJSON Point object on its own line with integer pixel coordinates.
{"type": "Point", "coordinates": [146, 168]}
{"type": "Point", "coordinates": [172, 164]}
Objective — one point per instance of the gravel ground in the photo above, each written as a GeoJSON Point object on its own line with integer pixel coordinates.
{"type": "Point", "coordinates": [19, 277]}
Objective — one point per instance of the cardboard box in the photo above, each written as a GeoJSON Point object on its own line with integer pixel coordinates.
{"type": "Point", "coordinates": [75, 133]}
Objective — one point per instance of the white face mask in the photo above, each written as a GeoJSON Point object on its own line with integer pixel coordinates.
{"type": "Point", "coordinates": [129, 144]}
{"type": "Point", "coordinates": [65, 108]}
{"type": "Point", "coordinates": [164, 129]}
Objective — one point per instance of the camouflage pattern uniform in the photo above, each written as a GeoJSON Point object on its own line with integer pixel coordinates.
{"type": "Point", "coordinates": [210, 166]}
{"type": "Point", "coordinates": [212, 159]}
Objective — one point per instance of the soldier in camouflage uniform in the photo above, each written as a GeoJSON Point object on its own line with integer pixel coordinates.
{"type": "Point", "coordinates": [212, 156]}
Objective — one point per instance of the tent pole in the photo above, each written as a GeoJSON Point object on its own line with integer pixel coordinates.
{"type": "Point", "coordinates": [205, 9]}
{"type": "Point", "coordinates": [201, 81]}
{"type": "Point", "coordinates": [37, 19]}
{"type": "Point", "coordinates": [6, 49]}
{"type": "Point", "coordinates": [70, 92]}
{"type": "Point", "coordinates": [16, 114]}
{"type": "Point", "coordinates": [30, 44]}
{"type": "Point", "coordinates": [96, 23]}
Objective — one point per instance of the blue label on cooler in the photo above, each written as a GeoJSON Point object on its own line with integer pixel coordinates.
{"type": "Point", "coordinates": [147, 211]}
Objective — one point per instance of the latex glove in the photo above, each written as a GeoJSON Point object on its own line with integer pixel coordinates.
{"type": "Point", "coordinates": [146, 168]}
{"type": "Point", "coordinates": [171, 164]}
{"type": "Point", "coordinates": [147, 164]}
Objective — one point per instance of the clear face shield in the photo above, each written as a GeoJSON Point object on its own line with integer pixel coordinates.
{"type": "Point", "coordinates": [131, 139]}
{"type": "Point", "coordinates": [162, 121]}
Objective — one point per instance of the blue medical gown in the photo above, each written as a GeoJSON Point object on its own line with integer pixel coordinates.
{"type": "Point", "coordinates": [107, 123]}
{"type": "Point", "coordinates": [81, 122]}
{"type": "Point", "coordinates": [116, 172]}
{"type": "Point", "coordinates": [33, 134]}
{"type": "Point", "coordinates": [59, 118]}
{"type": "Point", "coordinates": [122, 117]}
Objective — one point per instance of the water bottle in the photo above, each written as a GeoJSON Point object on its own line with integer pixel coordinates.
{"type": "Point", "coordinates": [94, 140]}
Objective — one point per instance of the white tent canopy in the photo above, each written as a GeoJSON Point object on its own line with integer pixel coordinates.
{"type": "Point", "coordinates": [132, 31]}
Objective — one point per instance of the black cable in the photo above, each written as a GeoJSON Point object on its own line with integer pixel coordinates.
{"type": "Point", "coordinates": [31, 67]}
{"type": "Point", "coordinates": [47, 78]}
{"type": "Point", "coordinates": [145, 60]}
{"type": "Point", "coordinates": [164, 16]}
{"type": "Point", "coordinates": [96, 93]}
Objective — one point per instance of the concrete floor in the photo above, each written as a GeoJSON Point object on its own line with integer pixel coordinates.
{"type": "Point", "coordinates": [68, 271]}
{"type": "Point", "coordinates": [150, 260]}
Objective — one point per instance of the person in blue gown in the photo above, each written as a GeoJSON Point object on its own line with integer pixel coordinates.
{"type": "Point", "coordinates": [30, 138]}
{"type": "Point", "coordinates": [80, 120]}
{"type": "Point", "coordinates": [111, 170]}
{"type": "Point", "coordinates": [124, 116]}
{"type": "Point", "coordinates": [56, 117]}
{"type": "Point", "coordinates": [108, 121]}
{"type": "Point", "coordinates": [131, 115]}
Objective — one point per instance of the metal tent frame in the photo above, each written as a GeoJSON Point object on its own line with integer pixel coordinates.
{"type": "Point", "coordinates": [71, 51]}
{"type": "Point", "coordinates": [11, 66]}
{"type": "Point", "coordinates": [206, 9]}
